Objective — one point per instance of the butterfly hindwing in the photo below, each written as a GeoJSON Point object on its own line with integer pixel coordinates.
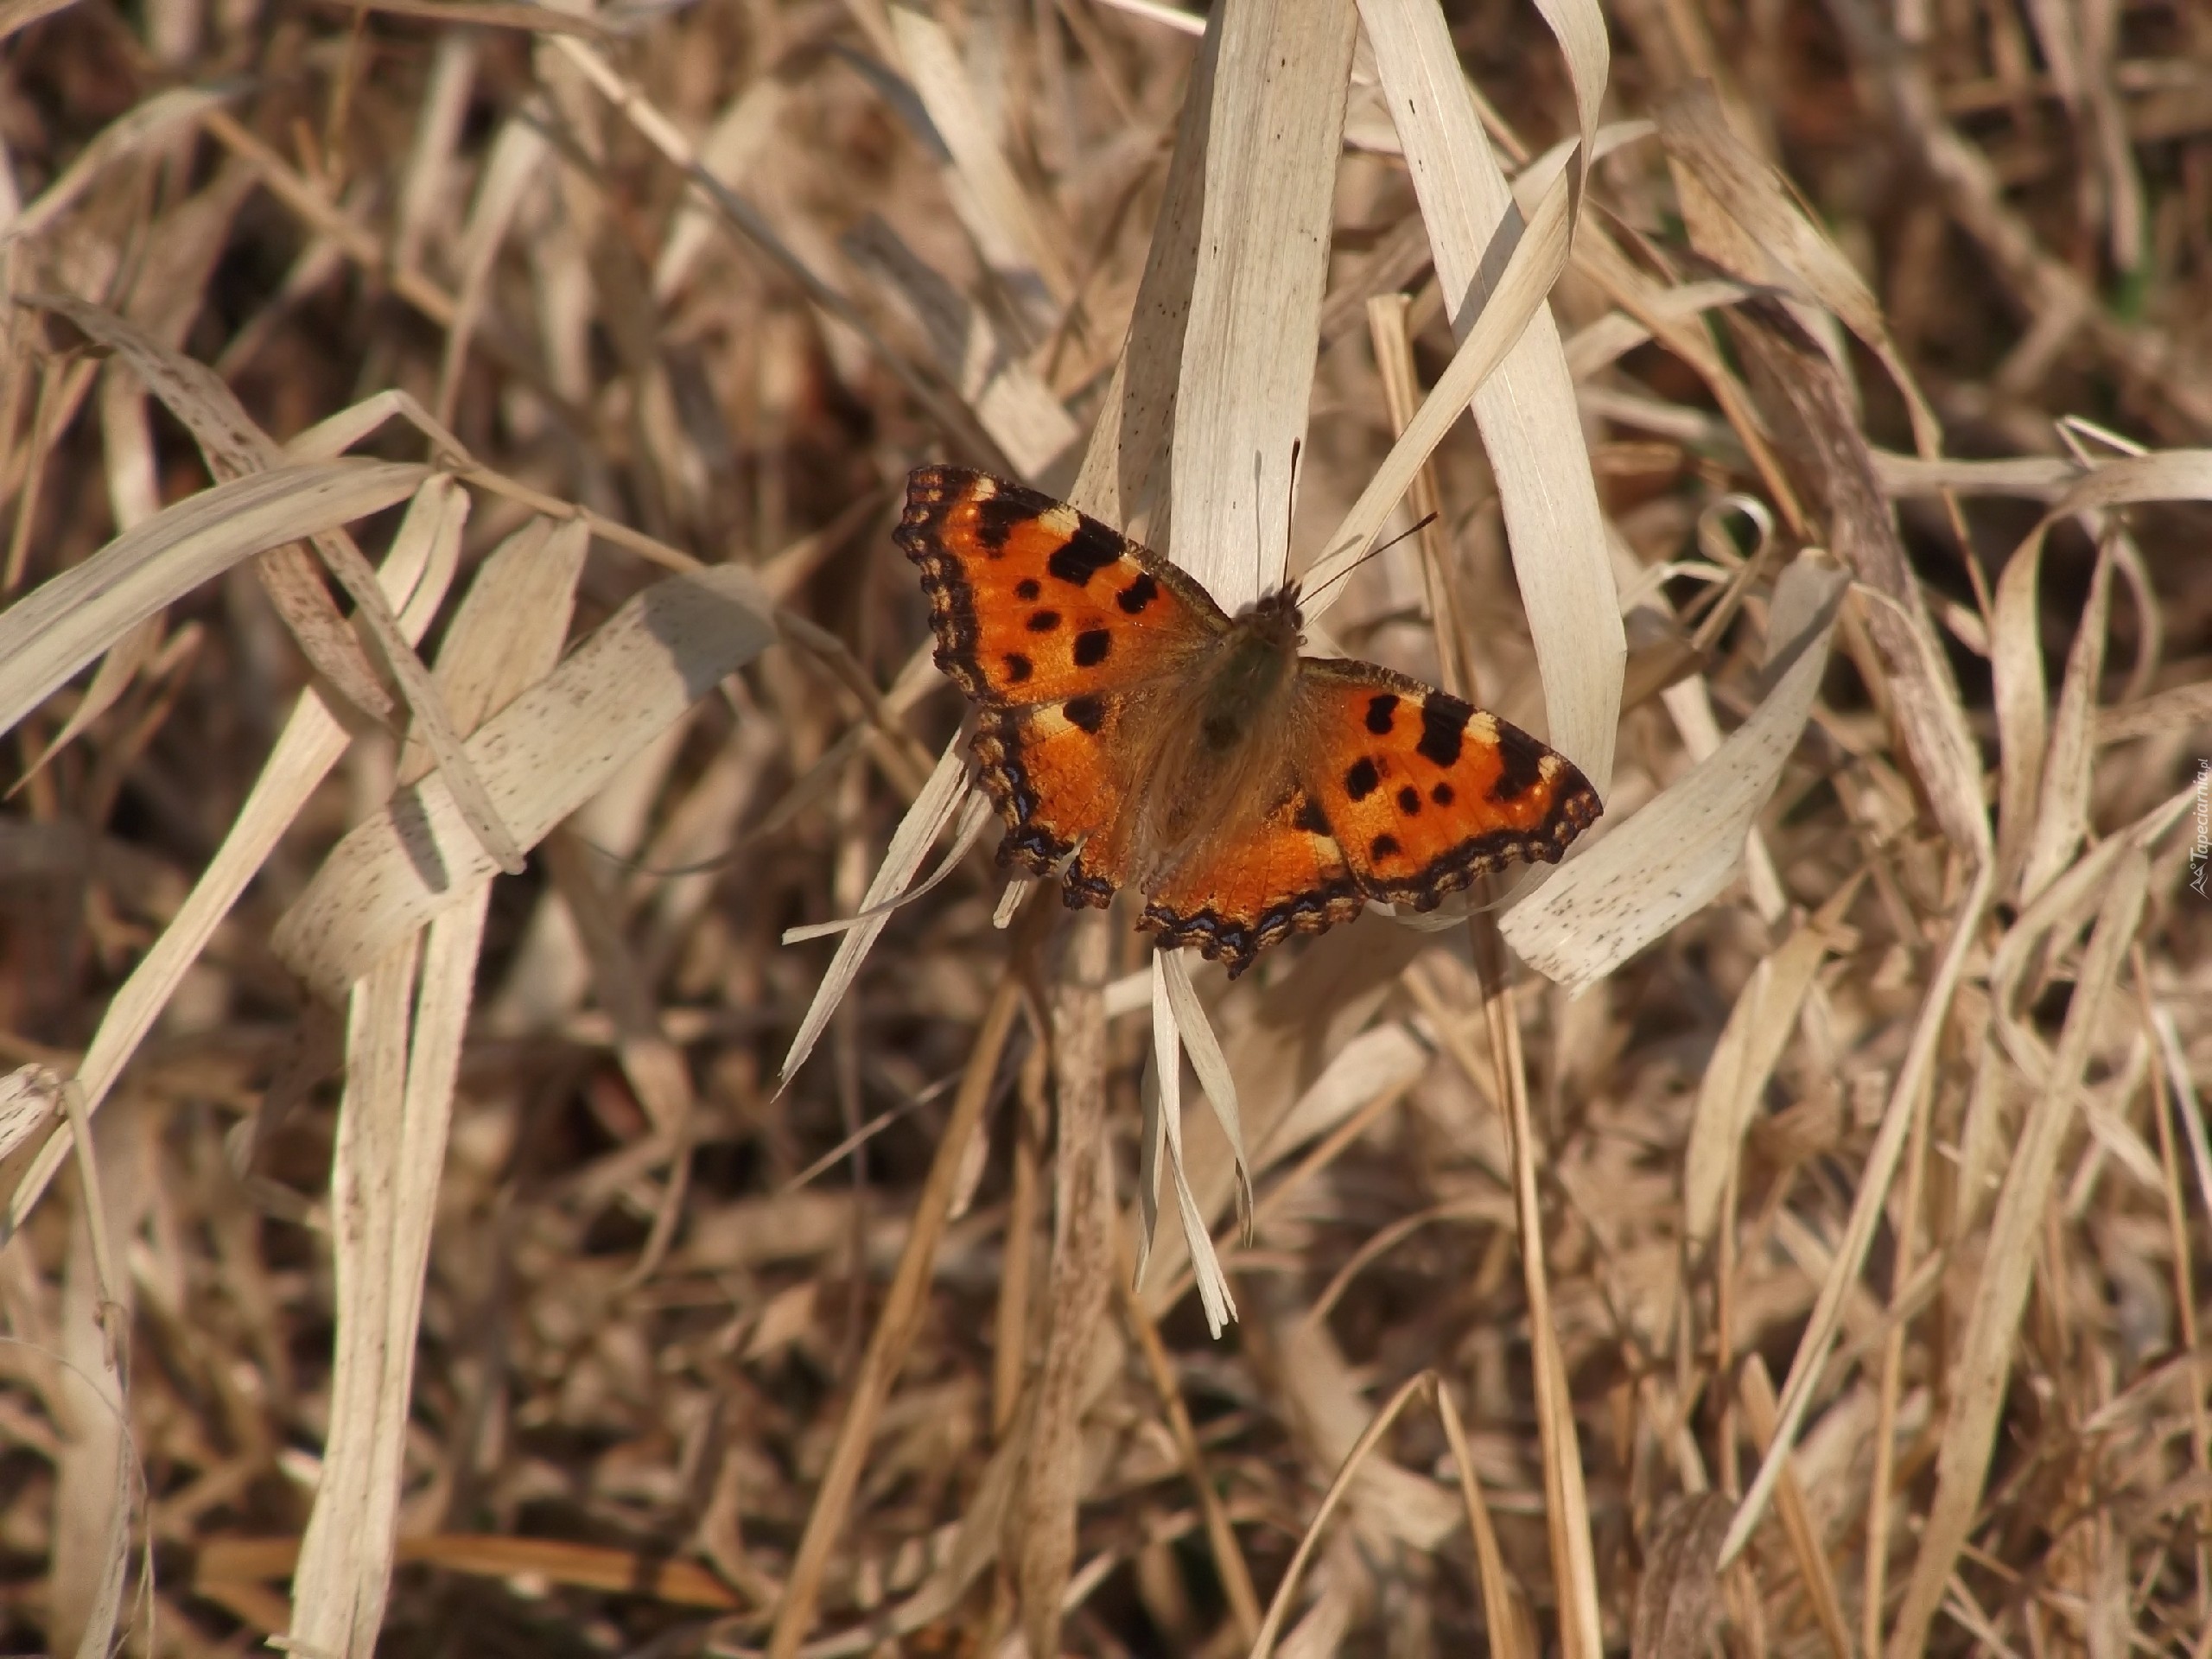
{"type": "Point", "coordinates": [1048, 768]}
{"type": "Point", "coordinates": [1422, 791]}
{"type": "Point", "coordinates": [1255, 884]}
{"type": "Point", "coordinates": [1034, 602]}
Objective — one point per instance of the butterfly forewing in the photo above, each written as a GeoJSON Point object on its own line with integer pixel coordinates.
{"type": "Point", "coordinates": [1033, 602]}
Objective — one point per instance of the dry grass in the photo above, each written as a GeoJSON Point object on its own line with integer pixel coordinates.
{"type": "Point", "coordinates": [1786, 1228]}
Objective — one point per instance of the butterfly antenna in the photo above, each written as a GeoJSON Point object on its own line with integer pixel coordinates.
{"type": "Point", "coordinates": [1415, 529]}
{"type": "Point", "coordinates": [1290, 503]}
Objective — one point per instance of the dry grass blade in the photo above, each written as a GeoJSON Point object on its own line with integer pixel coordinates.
{"type": "Point", "coordinates": [1274, 132]}
{"type": "Point", "coordinates": [1806, 402]}
{"type": "Point", "coordinates": [934, 808]}
{"type": "Point", "coordinates": [92, 1557]}
{"type": "Point", "coordinates": [1340, 1488]}
{"type": "Point", "coordinates": [1788, 247]}
{"type": "Point", "coordinates": [1751, 1045]}
{"type": "Point", "coordinates": [145, 126]}
{"type": "Point", "coordinates": [1504, 1610]}
{"type": "Point", "coordinates": [346, 1557]}
{"type": "Point", "coordinates": [2015, 659]}
{"type": "Point", "coordinates": [1797, 1522]}
{"type": "Point", "coordinates": [48, 636]}
{"type": "Point", "coordinates": [1014, 239]}
{"type": "Point", "coordinates": [1164, 1149]}
{"type": "Point", "coordinates": [392, 1141]}
{"type": "Point", "coordinates": [902, 1307]}
{"type": "Point", "coordinates": [1526, 410]}
{"type": "Point", "coordinates": [541, 757]}
{"type": "Point", "coordinates": [1196, 1034]}
{"type": "Point", "coordinates": [1083, 1266]}
{"type": "Point", "coordinates": [1229, 1559]}
{"type": "Point", "coordinates": [2062, 812]}
{"type": "Point", "coordinates": [1538, 255]}
{"type": "Point", "coordinates": [417, 573]}
{"type": "Point", "coordinates": [1666, 863]}
{"type": "Point", "coordinates": [1985, 1347]}
{"type": "Point", "coordinates": [232, 445]}
{"type": "Point", "coordinates": [1678, 1598]}
{"type": "Point", "coordinates": [30, 1097]}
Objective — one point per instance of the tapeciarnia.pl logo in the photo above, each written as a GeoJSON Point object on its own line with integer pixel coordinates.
{"type": "Point", "coordinates": [2200, 855]}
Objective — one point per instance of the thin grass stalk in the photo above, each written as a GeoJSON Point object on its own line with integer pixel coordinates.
{"type": "Point", "coordinates": [900, 1317]}
{"type": "Point", "coordinates": [1566, 1512]}
{"type": "Point", "coordinates": [1221, 1537]}
{"type": "Point", "coordinates": [1264, 1645]}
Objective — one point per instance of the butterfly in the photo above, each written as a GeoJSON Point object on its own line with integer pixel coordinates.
{"type": "Point", "coordinates": [1131, 732]}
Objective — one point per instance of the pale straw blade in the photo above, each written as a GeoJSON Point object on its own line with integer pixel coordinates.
{"type": "Point", "coordinates": [45, 637]}
{"type": "Point", "coordinates": [506, 636]}
{"type": "Point", "coordinates": [1275, 136]}
{"type": "Point", "coordinates": [1666, 863]}
{"type": "Point", "coordinates": [540, 758]}
{"type": "Point", "coordinates": [1986, 1348]}
{"type": "Point", "coordinates": [918, 831]}
{"type": "Point", "coordinates": [416, 575]}
{"type": "Point", "coordinates": [1526, 411]}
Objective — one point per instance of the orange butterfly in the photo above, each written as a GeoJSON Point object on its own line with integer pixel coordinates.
{"type": "Point", "coordinates": [1131, 732]}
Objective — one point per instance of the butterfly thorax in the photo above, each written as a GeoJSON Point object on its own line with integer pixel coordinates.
{"type": "Point", "coordinates": [1252, 672]}
{"type": "Point", "coordinates": [1218, 757]}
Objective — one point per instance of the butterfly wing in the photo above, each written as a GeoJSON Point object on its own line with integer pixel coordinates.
{"type": "Point", "coordinates": [1056, 626]}
{"type": "Point", "coordinates": [1422, 793]}
{"type": "Point", "coordinates": [1254, 884]}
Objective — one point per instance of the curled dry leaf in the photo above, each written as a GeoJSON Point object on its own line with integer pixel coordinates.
{"type": "Point", "coordinates": [541, 757]}
{"type": "Point", "coordinates": [1666, 861]}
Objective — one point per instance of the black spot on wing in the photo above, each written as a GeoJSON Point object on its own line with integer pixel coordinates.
{"type": "Point", "coordinates": [1085, 713]}
{"type": "Point", "coordinates": [1409, 801]}
{"type": "Point", "coordinates": [1443, 794]}
{"type": "Point", "coordinates": [1382, 847]}
{"type": "Point", "coordinates": [1084, 555]}
{"type": "Point", "coordinates": [1043, 622]}
{"type": "Point", "coordinates": [1139, 594]}
{"type": "Point", "coordinates": [1092, 646]}
{"type": "Point", "coordinates": [1310, 817]}
{"type": "Point", "coordinates": [1362, 778]}
{"type": "Point", "coordinates": [1443, 721]}
{"type": "Point", "coordinates": [1520, 765]}
{"type": "Point", "coordinates": [998, 516]}
{"type": "Point", "coordinates": [1380, 708]}
{"type": "Point", "coordinates": [1018, 667]}
{"type": "Point", "coordinates": [1027, 587]}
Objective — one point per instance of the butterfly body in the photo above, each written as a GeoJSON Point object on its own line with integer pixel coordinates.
{"type": "Point", "coordinates": [1131, 734]}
